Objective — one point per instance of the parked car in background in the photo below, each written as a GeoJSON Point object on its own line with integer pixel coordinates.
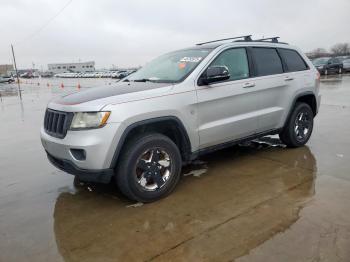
{"type": "Point", "coordinates": [97, 74]}
{"type": "Point", "coordinates": [346, 65]}
{"type": "Point", "coordinates": [28, 75]}
{"type": "Point", "coordinates": [122, 74]}
{"type": "Point", "coordinates": [328, 65]}
{"type": "Point", "coordinates": [342, 58]}
{"type": "Point", "coordinates": [6, 79]}
{"type": "Point", "coordinates": [46, 74]}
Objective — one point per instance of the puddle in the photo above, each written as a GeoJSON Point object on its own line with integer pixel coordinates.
{"type": "Point", "coordinates": [245, 196]}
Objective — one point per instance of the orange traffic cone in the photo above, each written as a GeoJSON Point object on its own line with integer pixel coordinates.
{"type": "Point", "coordinates": [62, 85]}
{"type": "Point", "coordinates": [78, 86]}
{"type": "Point", "coordinates": [48, 85]}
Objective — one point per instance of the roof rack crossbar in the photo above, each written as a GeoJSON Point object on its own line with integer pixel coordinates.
{"type": "Point", "coordinates": [272, 39]}
{"type": "Point", "coordinates": [245, 37]}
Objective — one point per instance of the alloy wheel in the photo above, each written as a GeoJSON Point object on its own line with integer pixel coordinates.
{"type": "Point", "coordinates": [302, 125]}
{"type": "Point", "coordinates": [153, 169]}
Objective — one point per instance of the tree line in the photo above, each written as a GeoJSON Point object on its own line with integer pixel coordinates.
{"type": "Point", "coordinates": [339, 49]}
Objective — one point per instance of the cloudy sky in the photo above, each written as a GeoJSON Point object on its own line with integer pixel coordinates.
{"type": "Point", "coordinates": [131, 32]}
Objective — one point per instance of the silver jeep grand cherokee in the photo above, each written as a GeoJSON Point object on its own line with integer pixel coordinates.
{"type": "Point", "coordinates": [181, 105]}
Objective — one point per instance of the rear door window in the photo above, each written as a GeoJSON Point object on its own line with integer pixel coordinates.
{"type": "Point", "coordinates": [267, 61]}
{"type": "Point", "coordinates": [293, 60]}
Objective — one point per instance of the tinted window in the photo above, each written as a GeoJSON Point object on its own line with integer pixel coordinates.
{"type": "Point", "coordinates": [236, 61]}
{"type": "Point", "coordinates": [267, 61]}
{"type": "Point", "coordinates": [293, 60]}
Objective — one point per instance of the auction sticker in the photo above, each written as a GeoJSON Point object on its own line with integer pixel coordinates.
{"type": "Point", "coordinates": [190, 59]}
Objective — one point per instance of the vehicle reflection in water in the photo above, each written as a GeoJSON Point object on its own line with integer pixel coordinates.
{"type": "Point", "coordinates": [248, 194]}
{"type": "Point", "coordinates": [332, 81]}
{"type": "Point", "coordinates": [7, 90]}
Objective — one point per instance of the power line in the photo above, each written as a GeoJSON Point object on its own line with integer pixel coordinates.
{"type": "Point", "coordinates": [46, 23]}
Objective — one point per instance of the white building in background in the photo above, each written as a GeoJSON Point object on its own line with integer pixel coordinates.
{"type": "Point", "coordinates": [72, 67]}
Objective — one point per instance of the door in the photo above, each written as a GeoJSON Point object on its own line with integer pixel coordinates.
{"type": "Point", "coordinates": [332, 65]}
{"type": "Point", "coordinates": [337, 64]}
{"type": "Point", "coordinates": [276, 84]}
{"type": "Point", "coordinates": [226, 110]}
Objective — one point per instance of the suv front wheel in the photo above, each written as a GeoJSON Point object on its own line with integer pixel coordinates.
{"type": "Point", "coordinates": [149, 168]}
{"type": "Point", "coordinates": [298, 129]}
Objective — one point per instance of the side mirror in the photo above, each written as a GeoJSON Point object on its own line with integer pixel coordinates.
{"type": "Point", "coordinates": [214, 74]}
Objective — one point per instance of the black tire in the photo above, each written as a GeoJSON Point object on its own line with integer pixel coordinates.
{"type": "Point", "coordinates": [135, 175]}
{"type": "Point", "coordinates": [293, 133]}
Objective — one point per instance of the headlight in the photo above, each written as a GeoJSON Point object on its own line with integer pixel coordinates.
{"type": "Point", "coordinates": [89, 120]}
{"type": "Point", "coordinates": [320, 67]}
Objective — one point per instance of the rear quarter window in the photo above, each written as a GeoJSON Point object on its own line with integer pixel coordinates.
{"type": "Point", "coordinates": [293, 60]}
{"type": "Point", "coordinates": [267, 61]}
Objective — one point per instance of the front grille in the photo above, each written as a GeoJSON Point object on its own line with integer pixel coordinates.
{"type": "Point", "coordinates": [56, 123]}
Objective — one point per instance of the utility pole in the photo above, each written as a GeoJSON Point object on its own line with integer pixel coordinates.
{"type": "Point", "coordinates": [14, 61]}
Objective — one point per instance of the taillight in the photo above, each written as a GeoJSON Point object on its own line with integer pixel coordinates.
{"type": "Point", "coordinates": [318, 80]}
{"type": "Point", "coordinates": [318, 76]}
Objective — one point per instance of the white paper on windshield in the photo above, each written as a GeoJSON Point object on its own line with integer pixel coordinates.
{"type": "Point", "coordinates": [191, 59]}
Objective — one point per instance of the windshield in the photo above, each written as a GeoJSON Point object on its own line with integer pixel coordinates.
{"type": "Point", "coordinates": [320, 61]}
{"type": "Point", "coordinates": [170, 68]}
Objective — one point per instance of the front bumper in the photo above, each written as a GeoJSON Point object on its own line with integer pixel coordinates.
{"type": "Point", "coordinates": [98, 145]}
{"type": "Point", "coordinates": [99, 176]}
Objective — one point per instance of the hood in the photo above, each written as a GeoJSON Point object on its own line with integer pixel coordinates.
{"type": "Point", "coordinates": [94, 99]}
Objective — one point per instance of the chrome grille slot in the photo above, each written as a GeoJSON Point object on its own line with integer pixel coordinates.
{"type": "Point", "coordinates": [56, 123]}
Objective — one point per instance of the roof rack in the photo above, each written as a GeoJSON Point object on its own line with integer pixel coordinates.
{"type": "Point", "coordinates": [245, 37]}
{"type": "Point", "coordinates": [272, 39]}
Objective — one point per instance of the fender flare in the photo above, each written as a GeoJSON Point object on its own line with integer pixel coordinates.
{"type": "Point", "coordinates": [306, 93]}
{"type": "Point", "coordinates": [132, 126]}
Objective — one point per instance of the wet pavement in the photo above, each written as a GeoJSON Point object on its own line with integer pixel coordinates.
{"type": "Point", "coordinates": [254, 202]}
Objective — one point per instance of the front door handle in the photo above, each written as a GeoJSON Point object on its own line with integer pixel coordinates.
{"type": "Point", "coordinates": [248, 85]}
{"type": "Point", "coordinates": [288, 78]}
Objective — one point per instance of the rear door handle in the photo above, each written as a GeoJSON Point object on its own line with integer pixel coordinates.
{"type": "Point", "coordinates": [288, 78]}
{"type": "Point", "coordinates": [248, 85]}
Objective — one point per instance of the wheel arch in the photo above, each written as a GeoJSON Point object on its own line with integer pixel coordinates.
{"type": "Point", "coordinates": [306, 97]}
{"type": "Point", "coordinates": [170, 126]}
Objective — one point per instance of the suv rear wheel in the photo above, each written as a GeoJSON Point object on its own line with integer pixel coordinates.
{"type": "Point", "coordinates": [149, 168]}
{"type": "Point", "coordinates": [298, 128]}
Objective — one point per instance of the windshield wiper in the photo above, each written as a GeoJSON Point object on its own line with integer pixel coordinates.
{"type": "Point", "coordinates": [142, 80]}
{"type": "Point", "coordinates": [153, 80]}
